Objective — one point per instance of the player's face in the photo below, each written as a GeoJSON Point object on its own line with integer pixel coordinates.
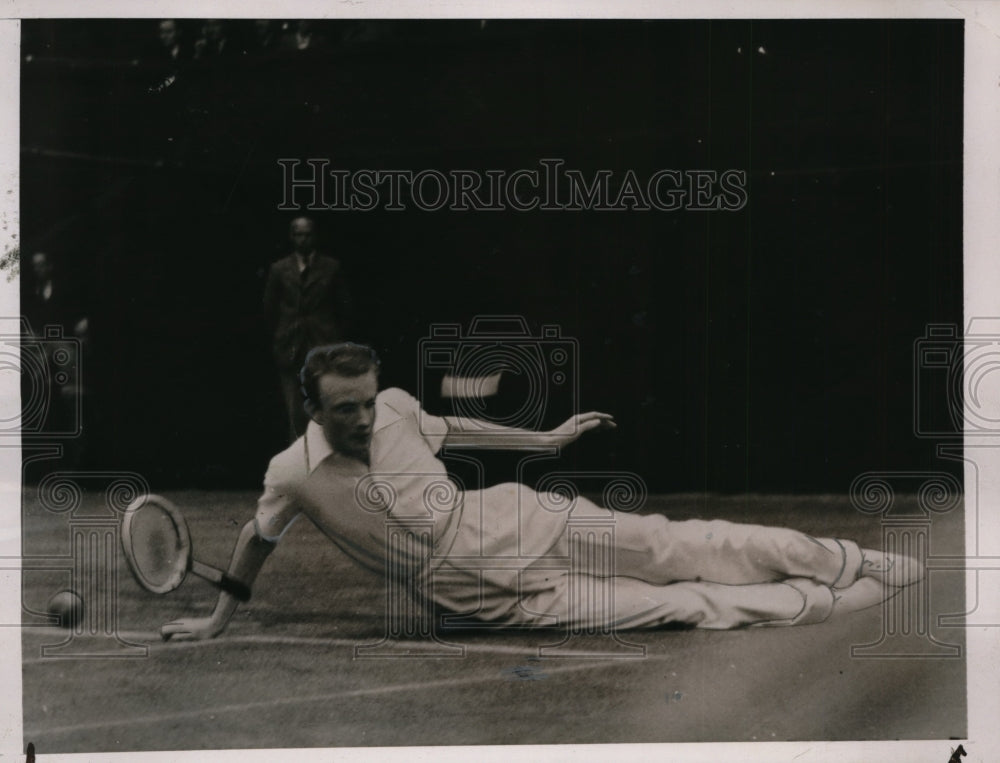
{"type": "Point", "coordinates": [301, 234]}
{"type": "Point", "coordinates": [347, 412]}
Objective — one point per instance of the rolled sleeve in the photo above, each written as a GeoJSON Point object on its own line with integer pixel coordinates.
{"type": "Point", "coordinates": [277, 509]}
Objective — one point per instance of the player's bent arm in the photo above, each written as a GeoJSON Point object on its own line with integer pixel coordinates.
{"type": "Point", "coordinates": [474, 433]}
{"type": "Point", "coordinates": [248, 557]}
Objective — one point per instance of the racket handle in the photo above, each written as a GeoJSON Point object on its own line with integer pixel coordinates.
{"type": "Point", "coordinates": [230, 585]}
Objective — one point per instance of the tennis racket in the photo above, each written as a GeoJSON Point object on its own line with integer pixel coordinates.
{"type": "Point", "coordinates": [157, 545]}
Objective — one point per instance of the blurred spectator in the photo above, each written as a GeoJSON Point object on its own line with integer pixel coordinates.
{"type": "Point", "coordinates": [306, 304]}
{"type": "Point", "coordinates": [169, 55]}
{"type": "Point", "coordinates": [266, 36]}
{"type": "Point", "coordinates": [48, 301]}
{"type": "Point", "coordinates": [303, 37]}
{"type": "Point", "coordinates": [171, 45]}
{"type": "Point", "coordinates": [214, 41]}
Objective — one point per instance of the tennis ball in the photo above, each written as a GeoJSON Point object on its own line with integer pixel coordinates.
{"type": "Point", "coordinates": [68, 607]}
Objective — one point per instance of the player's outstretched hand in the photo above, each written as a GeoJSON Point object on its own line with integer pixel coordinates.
{"type": "Point", "coordinates": [572, 428]}
{"type": "Point", "coordinates": [190, 629]}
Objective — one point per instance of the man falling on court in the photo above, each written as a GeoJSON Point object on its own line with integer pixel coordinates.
{"type": "Point", "coordinates": [367, 455]}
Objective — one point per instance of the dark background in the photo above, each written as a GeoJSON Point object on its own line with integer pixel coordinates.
{"type": "Point", "coordinates": [769, 349]}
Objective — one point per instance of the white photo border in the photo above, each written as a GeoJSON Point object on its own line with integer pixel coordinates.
{"type": "Point", "coordinates": [981, 224]}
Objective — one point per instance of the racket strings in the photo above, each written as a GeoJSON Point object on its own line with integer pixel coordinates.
{"type": "Point", "coordinates": [157, 545]}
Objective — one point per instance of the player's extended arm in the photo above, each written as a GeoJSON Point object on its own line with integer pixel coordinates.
{"type": "Point", "coordinates": [473, 433]}
{"type": "Point", "coordinates": [248, 557]}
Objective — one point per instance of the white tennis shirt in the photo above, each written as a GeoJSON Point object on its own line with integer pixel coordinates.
{"type": "Point", "coordinates": [357, 505]}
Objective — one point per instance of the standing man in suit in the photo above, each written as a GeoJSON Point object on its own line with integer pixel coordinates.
{"type": "Point", "coordinates": [306, 304]}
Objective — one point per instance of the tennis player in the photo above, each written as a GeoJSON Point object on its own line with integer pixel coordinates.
{"type": "Point", "coordinates": [368, 463]}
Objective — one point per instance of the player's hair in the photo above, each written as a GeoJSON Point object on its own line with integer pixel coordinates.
{"type": "Point", "coordinates": [346, 359]}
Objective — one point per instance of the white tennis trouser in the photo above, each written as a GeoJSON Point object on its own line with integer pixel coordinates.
{"type": "Point", "coordinates": [645, 571]}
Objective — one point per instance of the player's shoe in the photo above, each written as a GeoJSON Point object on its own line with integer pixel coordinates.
{"type": "Point", "coordinates": [890, 569]}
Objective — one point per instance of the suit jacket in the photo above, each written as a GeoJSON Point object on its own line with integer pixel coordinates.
{"type": "Point", "coordinates": [304, 310]}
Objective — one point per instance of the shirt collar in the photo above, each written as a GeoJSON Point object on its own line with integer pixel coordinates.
{"type": "Point", "coordinates": [317, 449]}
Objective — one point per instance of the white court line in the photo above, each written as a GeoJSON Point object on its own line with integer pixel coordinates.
{"type": "Point", "coordinates": [152, 640]}
{"type": "Point", "coordinates": [202, 712]}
